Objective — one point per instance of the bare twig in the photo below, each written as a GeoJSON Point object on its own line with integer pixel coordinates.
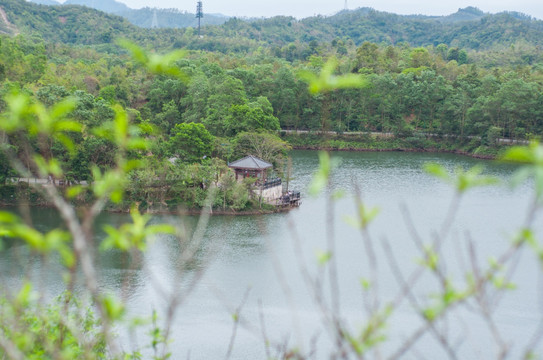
{"type": "Point", "coordinates": [265, 338]}
{"type": "Point", "coordinates": [236, 317]}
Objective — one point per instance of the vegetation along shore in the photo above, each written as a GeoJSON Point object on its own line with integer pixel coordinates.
{"type": "Point", "coordinates": [100, 112]}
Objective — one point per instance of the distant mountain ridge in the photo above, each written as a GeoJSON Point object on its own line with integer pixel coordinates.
{"type": "Point", "coordinates": [108, 6]}
{"type": "Point", "coordinates": [165, 18]}
{"type": "Point", "coordinates": [70, 24]}
{"type": "Point", "coordinates": [173, 18]}
{"type": "Point", "coordinates": [467, 14]}
{"type": "Point", "coordinates": [468, 28]}
{"type": "Point", "coordinates": [46, 2]}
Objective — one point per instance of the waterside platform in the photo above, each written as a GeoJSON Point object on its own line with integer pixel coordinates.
{"type": "Point", "coordinates": [289, 199]}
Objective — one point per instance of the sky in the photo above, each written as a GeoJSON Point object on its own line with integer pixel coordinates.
{"type": "Point", "coordinates": [305, 8]}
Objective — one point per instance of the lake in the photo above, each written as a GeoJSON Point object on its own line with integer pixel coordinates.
{"type": "Point", "coordinates": [266, 265]}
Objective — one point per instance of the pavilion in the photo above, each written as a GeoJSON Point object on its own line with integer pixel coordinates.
{"type": "Point", "coordinates": [250, 166]}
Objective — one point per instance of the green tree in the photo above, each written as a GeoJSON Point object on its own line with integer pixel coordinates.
{"type": "Point", "coordinates": [266, 146]}
{"type": "Point", "coordinates": [419, 57]}
{"type": "Point", "coordinates": [168, 117]}
{"type": "Point", "coordinates": [367, 57]}
{"type": "Point", "coordinates": [227, 92]}
{"type": "Point", "coordinates": [254, 116]}
{"type": "Point", "coordinates": [6, 171]}
{"type": "Point", "coordinates": [191, 142]}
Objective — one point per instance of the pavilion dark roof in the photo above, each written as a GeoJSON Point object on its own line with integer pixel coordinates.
{"type": "Point", "coordinates": [250, 163]}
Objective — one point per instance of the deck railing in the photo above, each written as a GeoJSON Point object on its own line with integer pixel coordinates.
{"type": "Point", "coordinates": [271, 183]}
{"type": "Point", "coordinates": [291, 198]}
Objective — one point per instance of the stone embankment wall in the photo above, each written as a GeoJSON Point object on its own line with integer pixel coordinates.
{"type": "Point", "coordinates": [271, 194]}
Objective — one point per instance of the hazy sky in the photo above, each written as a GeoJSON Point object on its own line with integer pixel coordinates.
{"type": "Point", "coordinates": [305, 8]}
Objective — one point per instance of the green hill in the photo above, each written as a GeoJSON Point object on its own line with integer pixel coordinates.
{"type": "Point", "coordinates": [70, 24]}
{"type": "Point", "coordinates": [169, 18]}
{"type": "Point", "coordinates": [108, 6]}
{"type": "Point", "coordinates": [165, 18]}
{"type": "Point", "coordinates": [46, 2]}
{"type": "Point", "coordinates": [469, 28]}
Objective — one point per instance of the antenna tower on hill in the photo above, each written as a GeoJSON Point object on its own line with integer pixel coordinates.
{"type": "Point", "coordinates": [199, 14]}
{"type": "Point", "coordinates": [154, 23]}
{"type": "Point", "coordinates": [346, 7]}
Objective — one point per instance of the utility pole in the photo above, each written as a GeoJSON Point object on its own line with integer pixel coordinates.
{"type": "Point", "coordinates": [154, 22]}
{"type": "Point", "coordinates": [199, 14]}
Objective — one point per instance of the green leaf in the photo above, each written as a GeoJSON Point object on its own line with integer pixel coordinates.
{"type": "Point", "coordinates": [155, 63]}
{"type": "Point", "coordinates": [437, 170]}
{"type": "Point", "coordinates": [68, 256]}
{"type": "Point", "coordinates": [19, 106]}
{"type": "Point", "coordinates": [318, 183]}
{"type": "Point", "coordinates": [365, 283]}
{"type": "Point", "coordinates": [7, 217]}
{"type": "Point", "coordinates": [132, 165]}
{"type": "Point", "coordinates": [62, 109]}
{"type": "Point", "coordinates": [431, 259]}
{"type": "Point", "coordinates": [352, 221]}
{"type": "Point", "coordinates": [338, 194]}
{"type": "Point", "coordinates": [73, 191]}
{"type": "Point", "coordinates": [532, 157]}
{"type": "Point", "coordinates": [526, 235]}
{"type": "Point", "coordinates": [524, 154]}
{"type": "Point", "coordinates": [430, 313]}
{"type": "Point", "coordinates": [321, 177]}
{"type": "Point", "coordinates": [462, 180]}
{"type": "Point", "coordinates": [25, 296]}
{"type": "Point", "coordinates": [120, 126]}
{"type": "Point", "coordinates": [137, 53]}
{"type": "Point", "coordinates": [326, 81]}
{"type": "Point", "coordinates": [137, 144]}
{"type": "Point", "coordinates": [160, 229]}
{"type": "Point", "coordinates": [114, 309]}
{"type": "Point", "coordinates": [323, 257]}
{"type": "Point", "coordinates": [48, 167]}
{"type": "Point", "coordinates": [31, 236]}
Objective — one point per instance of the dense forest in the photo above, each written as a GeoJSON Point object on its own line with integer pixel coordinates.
{"type": "Point", "coordinates": [99, 114]}
{"type": "Point", "coordinates": [470, 77]}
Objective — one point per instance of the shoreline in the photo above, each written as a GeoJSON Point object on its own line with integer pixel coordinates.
{"type": "Point", "coordinates": [472, 147]}
{"type": "Point", "coordinates": [182, 212]}
{"type": "Point", "coordinates": [278, 209]}
{"type": "Point", "coordinates": [197, 212]}
{"type": "Point", "coordinates": [437, 151]}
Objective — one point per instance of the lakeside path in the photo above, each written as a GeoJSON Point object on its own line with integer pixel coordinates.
{"type": "Point", "coordinates": [378, 134]}
{"type": "Point", "coordinates": [40, 181]}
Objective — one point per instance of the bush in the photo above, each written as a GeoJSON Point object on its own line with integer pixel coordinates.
{"type": "Point", "coordinates": [8, 194]}
{"type": "Point", "coordinates": [62, 327]}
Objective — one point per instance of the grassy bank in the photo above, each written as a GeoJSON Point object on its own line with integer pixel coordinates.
{"type": "Point", "coordinates": [24, 194]}
{"type": "Point", "coordinates": [475, 147]}
{"type": "Point", "coordinates": [21, 193]}
{"type": "Point", "coordinates": [169, 199]}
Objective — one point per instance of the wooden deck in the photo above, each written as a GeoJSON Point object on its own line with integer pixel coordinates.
{"type": "Point", "coordinates": [291, 199]}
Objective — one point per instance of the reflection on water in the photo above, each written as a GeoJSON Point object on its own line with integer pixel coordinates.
{"type": "Point", "coordinates": [260, 253]}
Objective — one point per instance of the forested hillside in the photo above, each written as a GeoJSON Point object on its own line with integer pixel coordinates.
{"type": "Point", "coordinates": [165, 18]}
{"type": "Point", "coordinates": [65, 24]}
{"type": "Point", "coordinates": [244, 77]}
{"type": "Point", "coordinates": [110, 116]}
{"type": "Point", "coordinates": [469, 28]}
{"type": "Point", "coordinates": [168, 18]}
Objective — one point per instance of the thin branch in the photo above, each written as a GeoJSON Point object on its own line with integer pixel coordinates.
{"type": "Point", "coordinates": [236, 317]}
{"type": "Point", "coordinates": [11, 350]}
{"type": "Point", "coordinates": [263, 328]}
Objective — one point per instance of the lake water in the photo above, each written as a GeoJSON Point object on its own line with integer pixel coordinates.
{"type": "Point", "coordinates": [264, 263]}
